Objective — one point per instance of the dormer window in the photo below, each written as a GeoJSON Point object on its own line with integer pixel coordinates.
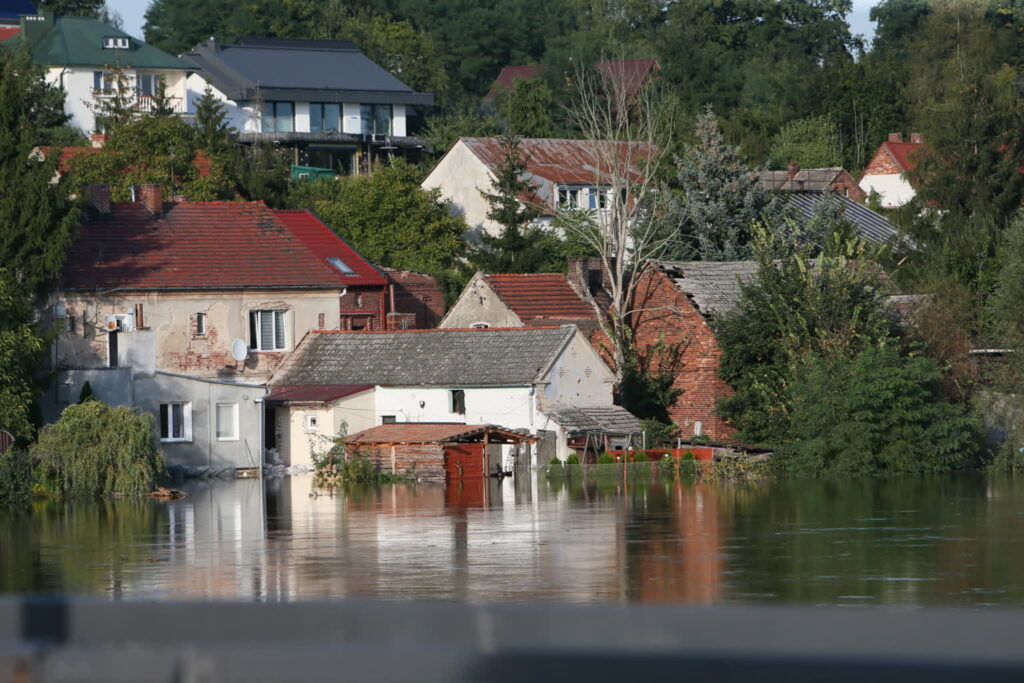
{"type": "Point", "coordinates": [115, 43]}
{"type": "Point", "coordinates": [340, 266]}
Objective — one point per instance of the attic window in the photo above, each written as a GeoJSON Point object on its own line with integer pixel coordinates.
{"type": "Point", "coordinates": [340, 266]}
{"type": "Point", "coordinates": [115, 43]}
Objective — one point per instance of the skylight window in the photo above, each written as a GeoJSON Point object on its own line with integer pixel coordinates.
{"type": "Point", "coordinates": [340, 266]}
{"type": "Point", "coordinates": [115, 43]}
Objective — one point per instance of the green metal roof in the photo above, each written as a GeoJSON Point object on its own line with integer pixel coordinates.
{"type": "Point", "coordinates": [78, 41]}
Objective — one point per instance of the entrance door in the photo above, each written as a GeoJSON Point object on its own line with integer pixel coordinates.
{"type": "Point", "coordinates": [464, 461]}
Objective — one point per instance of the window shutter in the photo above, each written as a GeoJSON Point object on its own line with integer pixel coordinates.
{"type": "Point", "coordinates": [266, 322]}
{"type": "Point", "coordinates": [279, 329]}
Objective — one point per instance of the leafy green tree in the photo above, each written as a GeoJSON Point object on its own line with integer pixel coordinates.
{"type": "Point", "coordinates": [36, 214]}
{"type": "Point", "coordinates": [798, 304]}
{"type": "Point", "coordinates": [460, 119]}
{"type": "Point", "coordinates": [95, 450]}
{"type": "Point", "coordinates": [526, 110]}
{"type": "Point", "coordinates": [161, 106]}
{"type": "Point", "coordinates": [73, 8]}
{"type": "Point", "coordinates": [718, 198]}
{"type": "Point", "coordinates": [877, 412]}
{"type": "Point", "coordinates": [16, 477]}
{"type": "Point", "coordinates": [22, 351]}
{"type": "Point", "coordinates": [387, 217]}
{"type": "Point", "coordinates": [812, 142]}
{"type": "Point", "coordinates": [520, 247]}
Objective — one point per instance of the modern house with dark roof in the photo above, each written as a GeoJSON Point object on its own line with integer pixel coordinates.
{"type": "Point", "coordinates": [563, 173]}
{"type": "Point", "coordinates": [81, 54]}
{"type": "Point", "coordinates": [185, 309]}
{"type": "Point", "coordinates": [519, 378]}
{"type": "Point", "coordinates": [886, 173]}
{"type": "Point", "coordinates": [329, 102]}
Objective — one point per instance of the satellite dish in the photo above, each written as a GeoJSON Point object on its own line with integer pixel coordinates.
{"type": "Point", "coordinates": [239, 350]}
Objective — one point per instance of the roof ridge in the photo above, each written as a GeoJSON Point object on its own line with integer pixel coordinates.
{"type": "Point", "coordinates": [444, 329]}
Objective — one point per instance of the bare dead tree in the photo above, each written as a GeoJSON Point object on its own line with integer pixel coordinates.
{"type": "Point", "coordinates": [631, 126]}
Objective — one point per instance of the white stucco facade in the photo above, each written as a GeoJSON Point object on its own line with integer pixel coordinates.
{"type": "Point", "coordinates": [479, 306]}
{"type": "Point", "coordinates": [460, 176]}
{"type": "Point", "coordinates": [894, 189]}
{"type": "Point", "coordinates": [306, 429]}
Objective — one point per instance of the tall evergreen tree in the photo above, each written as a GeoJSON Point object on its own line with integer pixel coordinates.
{"type": "Point", "coordinates": [213, 133]}
{"type": "Point", "coordinates": [526, 110]}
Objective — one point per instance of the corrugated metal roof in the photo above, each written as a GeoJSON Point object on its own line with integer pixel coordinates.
{"type": "Point", "coordinates": [870, 225]}
{"type": "Point", "coordinates": [565, 162]}
{"type": "Point", "coordinates": [540, 296]}
{"type": "Point", "coordinates": [324, 71]}
{"type": "Point", "coordinates": [208, 245]}
{"type": "Point", "coordinates": [428, 432]}
{"type": "Point", "coordinates": [314, 394]}
{"type": "Point", "coordinates": [454, 358]}
{"type": "Point", "coordinates": [603, 419]}
{"type": "Point", "coordinates": [714, 286]}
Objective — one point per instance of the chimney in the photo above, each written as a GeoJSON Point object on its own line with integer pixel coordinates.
{"type": "Point", "coordinates": [916, 138]}
{"type": "Point", "coordinates": [98, 140]}
{"type": "Point", "coordinates": [99, 197]}
{"type": "Point", "coordinates": [793, 169]}
{"type": "Point", "coordinates": [895, 137]}
{"type": "Point", "coordinates": [151, 196]}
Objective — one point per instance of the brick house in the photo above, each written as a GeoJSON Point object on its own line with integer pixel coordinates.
{"type": "Point", "coordinates": [185, 309]}
{"type": "Point", "coordinates": [886, 173]}
{"type": "Point", "coordinates": [416, 302]}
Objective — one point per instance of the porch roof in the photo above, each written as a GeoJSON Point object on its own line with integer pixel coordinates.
{"type": "Point", "coordinates": [435, 432]}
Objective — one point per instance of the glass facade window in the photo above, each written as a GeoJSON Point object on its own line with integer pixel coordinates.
{"type": "Point", "coordinates": [375, 119]}
{"type": "Point", "coordinates": [278, 117]}
{"type": "Point", "coordinates": [324, 117]}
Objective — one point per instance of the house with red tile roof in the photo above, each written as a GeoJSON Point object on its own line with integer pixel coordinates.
{"type": "Point", "coordinates": [185, 309]}
{"type": "Point", "coordinates": [564, 174]}
{"type": "Point", "coordinates": [887, 171]}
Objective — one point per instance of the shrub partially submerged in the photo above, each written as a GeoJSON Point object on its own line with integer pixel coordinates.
{"type": "Point", "coordinates": [16, 477]}
{"type": "Point", "coordinates": [95, 450]}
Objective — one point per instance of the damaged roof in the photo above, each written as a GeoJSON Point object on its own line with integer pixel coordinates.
{"type": "Point", "coordinates": [602, 420]}
{"type": "Point", "coordinates": [488, 357]}
{"type": "Point", "coordinates": [564, 162]}
{"type": "Point", "coordinates": [210, 245]}
{"type": "Point", "coordinates": [804, 179]}
{"type": "Point", "coordinates": [713, 286]}
{"type": "Point", "coordinates": [538, 297]}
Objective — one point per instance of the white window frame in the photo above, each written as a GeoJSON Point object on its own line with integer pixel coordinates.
{"type": "Point", "coordinates": [259, 325]}
{"type": "Point", "coordinates": [573, 197]}
{"type": "Point", "coordinates": [312, 423]}
{"type": "Point", "coordinates": [115, 43]}
{"type": "Point", "coordinates": [186, 414]}
{"type": "Point", "coordinates": [234, 419]}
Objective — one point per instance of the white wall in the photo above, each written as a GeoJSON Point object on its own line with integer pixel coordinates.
{"type": "Point", "coordinates": [579, 377]}
{"type": "Point", "coordinates": [894, 189]}
{"type": "Point", "coordinates": [347, 415]}
{"type": "Point", "coordinates": [398, 127]}
{"type": "Point", "coordinates": [478, 303]}
{"type": "Point", "coordinates": [350, 118]}
{"type": "Point", "coordinates": [460, 176]}
{"type": "Point", "coordinates": [242, 116]}
{"type": "Point", "coordinates": [302, 117]}
{"type": "Point", "coordinates": [80, 102]}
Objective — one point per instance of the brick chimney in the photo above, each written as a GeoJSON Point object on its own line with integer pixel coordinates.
{"type": "Point", "coordinates": [793, 169]}
{"type": "Point", "coordinates": [916, 138]}
{"type": "Point", "coordinates": [895, 137]}
{"type": "Point", "coordinates": [98, 140]}
{"type": "Point", "coordinates": [588, 275]}
{"type": "Point", "coordinates": [99, 197]}
{"type": "Point", "coordinates": [151, 196]}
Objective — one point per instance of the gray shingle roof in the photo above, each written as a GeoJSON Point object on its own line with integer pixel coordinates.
{"type": "Point", "coordinates": [604, 419]}
{"type": "Point", "coordinates": [714, 286]}
{"type": "Point", "coordinates": [870, 225]}
{"type": "Point", "coordinates": [299, 70]}
{"type": "Point", "coordinates": [494, 357]}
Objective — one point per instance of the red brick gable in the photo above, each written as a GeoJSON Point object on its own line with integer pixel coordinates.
{"type": "Point", "coordinates": [540, 296]}
{"type": "Point", "coordinates": [203, 245]}
{"type": "Point", "coordinates": [893, 158]}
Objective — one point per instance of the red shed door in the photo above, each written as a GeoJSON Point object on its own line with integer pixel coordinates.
{"type": "Point", "coordinates": [464, 461]}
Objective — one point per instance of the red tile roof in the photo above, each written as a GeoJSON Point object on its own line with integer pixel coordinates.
{"type": "Point", "coordinates": [903, 153]}
{"type": "Point", "coordinates": [314, 394]}
{"type": "Point", "coordinates": [6, 33]}
{"type": "Point", "coordinates": [207, 245]}
{"type": "Point", "coordinates": [427, 432]}
{"type": "Point", "coordinates": [325, 244]}
{"type": "Point", "coordinates": [202, 162]}
{"type": "Point", "coordinates": [541, 296]}
{"type": "Point", "coordinates": [508, 76]}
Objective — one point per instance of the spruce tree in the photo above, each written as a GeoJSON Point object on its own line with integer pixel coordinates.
{"type": "Point", "coordinates": [161, 103]}
{"type": "Point", "coordinates": [213, 134]}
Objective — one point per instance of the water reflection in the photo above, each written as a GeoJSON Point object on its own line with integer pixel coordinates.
{"type": "Point", "coordinates": [948, 540]}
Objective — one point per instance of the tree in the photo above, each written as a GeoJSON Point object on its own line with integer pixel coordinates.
{"type": "Point", "coordinates": [527, 108]}
{"type": "Point", "coordinates": [798, 304]}
{"type": "Point", "coordinates": [37, 215]}
{"type": "Point", "coordinates": [74, 8]}
{"type": "Point", "coordinates": [719, 198]}
{"type": "Point", "coordinates": [22, 351]}
{"type": "Point", "coordinates": [95, 450]}
{"type": "Point", "coordinates": [631, 133]}
{"type": "Point", "coordinates": [387, 217]}
{"type": "Point", "coordinates": [520, 247]}
{"type": "Point", "coordinates": [115, 105]}
{"type": "Point", "coordinates": [161, 106]}
{"type": "Point", "coordinates": [812, 142]}
{"type": "Point", "coordinates": [213, 133]}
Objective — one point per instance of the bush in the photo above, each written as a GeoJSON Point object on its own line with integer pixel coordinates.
{"type": "Point", "coordinates": [16, 477]}
{"type": "Point", "coordinates": [639, 456]}
{"type": "Point", "coordinates": [572, 460]}
{"type": "Point", "coordinates": [606, 459]}
{"type": "Point", "coordinates": [95, 450]}
{"type": "Point", "coordinates": [688, 455]}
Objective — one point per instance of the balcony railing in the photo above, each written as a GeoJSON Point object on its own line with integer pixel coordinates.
{"type": "Point", "coordinates": [145, 104]}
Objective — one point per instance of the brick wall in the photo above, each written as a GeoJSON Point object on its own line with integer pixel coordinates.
{"type": "Point", "coordinates": [361, 306]}
{"type": "Point", "coordinates": [882, 164]}
{"type": "Point", "coordinates": [845, 185]}
{"type": "Point", "coordinates": [665, 311]}
{"type": "Point", "coordinates": [428, 458]}
{"type": "Point", "coordinates": [418, 294]}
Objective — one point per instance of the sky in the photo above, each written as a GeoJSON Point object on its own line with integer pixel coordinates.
{"type": "Point", "coordinates": [133, 11]}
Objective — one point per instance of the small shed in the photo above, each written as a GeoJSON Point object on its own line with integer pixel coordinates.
{"type": "Point", "coordinates": [439, 451]}
{"type": "Point", "coordinates": [593, 430]}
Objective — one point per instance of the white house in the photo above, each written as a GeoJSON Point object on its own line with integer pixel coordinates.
{"type": "Point", "coordinates": [565, 174]}
{"type": "Point", "coordinates": [519, 379]}
{"type": "Point", "coordinates": [335, 107]}
{"type": "Point", "coordinates": [82, 55]}
{"type": "Point", "coordinates": [886, 173]}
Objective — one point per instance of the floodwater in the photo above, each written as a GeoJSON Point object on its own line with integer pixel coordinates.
{"type": "Point", "coordinates": [950, 541]}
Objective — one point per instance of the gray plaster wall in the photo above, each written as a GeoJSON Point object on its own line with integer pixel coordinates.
{"type": "Point", "coordinates": [478, 303]}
